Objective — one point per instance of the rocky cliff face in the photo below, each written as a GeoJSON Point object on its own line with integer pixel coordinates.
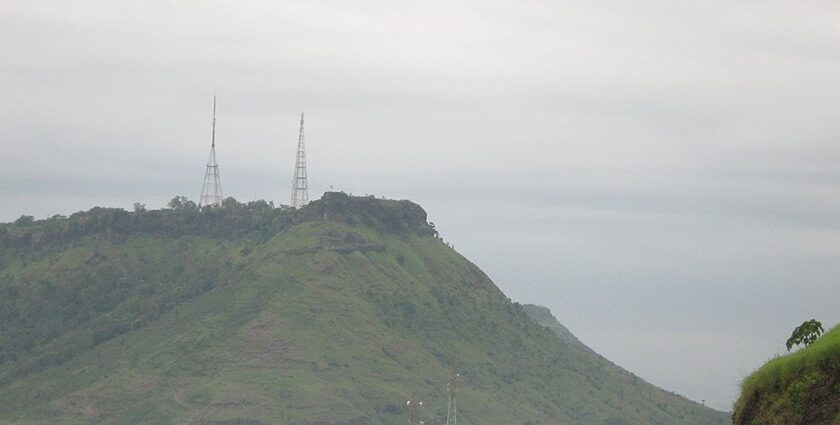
{"type": "Point", "coordinates": [389, 215]}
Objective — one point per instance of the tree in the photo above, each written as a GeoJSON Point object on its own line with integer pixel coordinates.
{"type": "Point", "coordinates": [230, 203]}
{"type": "Point", "coordinates": [177, 202]}
{"type": "Point", "coordinates": [805, 334]}
{"type": "Point", "coordinates": [138, 207]}
{"type": "Point", "coordinates": [182, 203]}
{"type": "Point", "coordinates": [25, 220]}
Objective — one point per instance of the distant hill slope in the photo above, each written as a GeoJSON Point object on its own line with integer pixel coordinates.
{"type": "Point", "coordinates": [801, 388]}
{"type": "Point", "coordinates": [248, 314]}
{"type": "Point", "coordinates": [542, 315]}
{"type": "Point", "coordinates": [621, 378]}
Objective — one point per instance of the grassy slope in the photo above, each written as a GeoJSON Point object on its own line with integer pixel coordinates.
{"type": "Point", "coordinates": [543, 317]}
{"type": "Point", "coordinates": [296, 333]}
{"type": "Point", "coordinates": [638, 392]}
{"type": "Point", "coordinates": [800, 388]}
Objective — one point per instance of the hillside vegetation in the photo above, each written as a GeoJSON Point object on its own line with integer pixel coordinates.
{"type": "Point", "coordinates": [542, 315]}
{"type": "Point", "coordinates": [247, 314]}
{"type": "Point", "coordinates": [801, 388]}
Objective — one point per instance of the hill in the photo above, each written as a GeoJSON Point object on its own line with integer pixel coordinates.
{"type": "Point", "coordinates": [542, 315]}
{"type": "Point", "coordinates": [801, 388]}
{"type": "Point", "coordinates": [247, 314]}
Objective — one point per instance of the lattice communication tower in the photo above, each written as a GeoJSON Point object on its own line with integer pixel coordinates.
{"type": "Point", "coordinates": [452, 389]}
{"type": "Point", "coordinates": [300, 185]}
{"type": "Point", "coordinates": [211, 190]}
{"type": "Point", "coordinates": [414, 411]}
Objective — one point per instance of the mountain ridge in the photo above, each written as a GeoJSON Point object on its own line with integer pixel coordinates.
{"type": "Point", "coordinates": [332, 314]}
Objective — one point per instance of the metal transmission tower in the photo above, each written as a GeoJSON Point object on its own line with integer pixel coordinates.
{"type": "Point", "coordinates": [452, 388]}
{"type": "Point", "coordinates": [414, 411]}
{"type": "Point", "coordinates": [300, 186]}
{"type": "Point", "coordinates": [211, 190]}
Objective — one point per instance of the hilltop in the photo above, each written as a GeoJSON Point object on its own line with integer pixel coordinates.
{"type": "Point", "coordinates": [801, 388]}
{"type": "Point", "coordinates": [333, 314]}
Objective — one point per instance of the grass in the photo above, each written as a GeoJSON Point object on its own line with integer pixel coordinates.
{"type": "Point", "coordinates": [781, 387]}
{"type": "Point", "coordinates": [780, 369]}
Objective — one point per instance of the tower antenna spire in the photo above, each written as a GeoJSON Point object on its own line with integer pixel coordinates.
{"type": "Point", "coordinates": [300, 185]}
{"type": "Point", "coordinates": [211, 189]}
{"type": "Point", "coordinates": [213, 135]}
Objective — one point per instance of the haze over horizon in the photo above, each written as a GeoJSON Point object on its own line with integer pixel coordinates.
{"type": "Point", "coordinates": [664, 176]}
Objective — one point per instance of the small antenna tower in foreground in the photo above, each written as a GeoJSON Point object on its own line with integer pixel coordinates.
{"type": "Point", "coordinates": [414, 411]}
{"type": "Point", "coordinates": [452, 388]}
{"type": "Point", "coordinates": [211, 190]}
{"type": "Point", "coordinates": [300, 186]}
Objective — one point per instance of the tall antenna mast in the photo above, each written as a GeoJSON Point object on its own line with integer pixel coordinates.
{"type": "Point", "coordinates": [211, 190]}
{"type": "Point", "coordinates": [300, 186]}
{"type": "Point", "coordinates": [452, 388]}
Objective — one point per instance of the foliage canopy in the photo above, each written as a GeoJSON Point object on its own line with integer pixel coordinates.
{"type": "Point", "coordinates": [805, 334]}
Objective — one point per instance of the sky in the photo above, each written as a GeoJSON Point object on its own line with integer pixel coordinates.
{"type": "Point", "coordinates": [663, 175]}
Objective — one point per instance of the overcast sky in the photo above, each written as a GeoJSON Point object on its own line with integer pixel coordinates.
{"type": "Point", "coordinates": [664, 175]}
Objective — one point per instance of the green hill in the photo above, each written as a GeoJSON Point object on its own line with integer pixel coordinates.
{"type": "Point", "coordinates": [247, 314]}
{"type": "Point", "coordinates": [801, 388]}
{"type": "Point", "coordinates": [542, 315]}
